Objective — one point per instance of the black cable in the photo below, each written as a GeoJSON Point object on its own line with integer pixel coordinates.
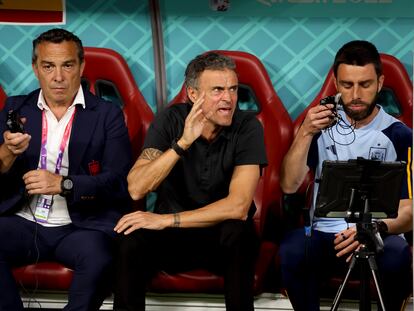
{"type": "Point", "coordinates": [31, 294]}
{"type": "Point", "coordinates": [341, 124]}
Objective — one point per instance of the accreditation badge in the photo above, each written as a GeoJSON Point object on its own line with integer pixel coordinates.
{"type": "Point", "coordinates": [43, 205]}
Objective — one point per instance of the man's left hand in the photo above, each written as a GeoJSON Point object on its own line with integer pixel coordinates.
{"type": "Point", "coordinates": [345, 243]}
{"type": "Point", "coordinates": [42, 182]}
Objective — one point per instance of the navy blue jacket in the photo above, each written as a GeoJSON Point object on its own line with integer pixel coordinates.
{"type": "Point", "coordinates": [98, 134]}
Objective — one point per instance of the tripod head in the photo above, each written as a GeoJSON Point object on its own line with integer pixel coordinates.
{"type": "Point", "coordinates": [367, 234]}
{"type": "Point", "coordinates": [359, 213]}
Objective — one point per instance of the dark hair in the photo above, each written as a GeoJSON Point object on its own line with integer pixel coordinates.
{"type": "Point", "coordinates": [211, 61]}
{"type": "Point", "coordinates": [57, 35]}
{"type": "Point", "coordinates": [358, 53]}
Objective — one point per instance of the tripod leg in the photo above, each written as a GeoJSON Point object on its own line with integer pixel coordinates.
{"type": "Point", "coordinates": [338, 296]}
{"type": "Point", "coordinates": [374, 269]}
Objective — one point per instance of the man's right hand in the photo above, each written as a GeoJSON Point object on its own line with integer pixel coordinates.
{"type": "Point", "coordinates": [317, 118]}
{"type": "Point", "coordinates": [294, 167]}
{"type": "Point", "coordinates": [16, 143]}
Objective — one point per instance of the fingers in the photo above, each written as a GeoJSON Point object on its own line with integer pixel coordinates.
{"type": "Point", "coordinates": [345, 242]}
{"type": "Point", "coordinates": [321, 115]}
{"type": "Point", "coordinates": [194, 123]}
{"type": "Point", "coordinates": [349, 248]}
{"type": "Point", "coordinates": [197, 116]}
{"type": "Point", "coordinates": [137, 220]}
{"type": "Point", "coordinates": [340, 237]}
{"type": "Point", "coordinates": [200, 100]}
{"type": "Point", "coordinates": [30, 176]}
{"type": "Point", "coordinates": [327, 107]}
{"type": "Point", "coordinates": [347, 234]}
{"type": "Point", "coordinates": [197, 112]}
{"type": "Point", "coordinates": [128, 223]}
{"type": "Point", "coordinates": [16, 143]}
{"type": "Point", "coordinates": [197, 105]}
{"type": "Point", "coordinates": [42, 182]}
{"type": "Point", "coordinates": [320, 111]}
{"type": "Point", "coordinates": [33, 182]}
{"type": "Point", "coordinates": [207, 115]}
{"type": "Point", "coordinates": [132, 229]}
{"type": "Point", "coordinates": [318, 118]}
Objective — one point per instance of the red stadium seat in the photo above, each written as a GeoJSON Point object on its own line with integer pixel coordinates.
{"type": "Point", "coordinates": [107, 75]}
{"type": "Point", "coordinates": [114, 80]}
{"type": "Point", "coordinates": [278, 134]}
{"type": "Point", "coordinates": [3, 97]}
{"type": "Point", "coordinates": [397, 86]}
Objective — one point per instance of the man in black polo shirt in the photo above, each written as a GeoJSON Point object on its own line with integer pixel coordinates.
{"type": "Point", "coordinates": [204, 160]}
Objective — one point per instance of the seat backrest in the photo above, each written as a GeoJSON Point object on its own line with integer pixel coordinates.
{"type": "Point", "coordinates": [396, 96]}
{"type": "Point", "coordinates": [108, 75]}
{"type": "Point", "coordinates": [3, 97]}
{"type": "Point", "coordinates": [254, 82]}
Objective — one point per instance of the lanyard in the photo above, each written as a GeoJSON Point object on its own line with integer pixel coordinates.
{"type": "Point", "coordinates": [63, 143]}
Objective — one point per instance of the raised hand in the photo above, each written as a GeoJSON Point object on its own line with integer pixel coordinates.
{"type": "Point", "coordinates": [194, 123]}
{"type": "Point", "coordinates": [317, 118]}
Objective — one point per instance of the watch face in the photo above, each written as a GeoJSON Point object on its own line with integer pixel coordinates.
{"type": "Point", "coordinates": [67, 184]}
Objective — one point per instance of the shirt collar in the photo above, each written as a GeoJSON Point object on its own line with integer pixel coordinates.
{"type": "Point", "coordinates": [79, 100]}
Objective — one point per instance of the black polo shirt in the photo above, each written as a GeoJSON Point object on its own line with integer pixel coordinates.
{"type": "Point", "coordinates": [203, 174]}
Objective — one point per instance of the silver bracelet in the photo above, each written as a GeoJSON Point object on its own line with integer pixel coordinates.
{"type": "Point", "coordinates": [176, 223]}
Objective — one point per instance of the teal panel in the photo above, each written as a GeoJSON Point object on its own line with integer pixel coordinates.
{"type": "Point", "coordinates": [120, 25]}
{"type": "Point", "coordinates": [297, 52]}
{"type": "Point", "coordinates": [295, 8]}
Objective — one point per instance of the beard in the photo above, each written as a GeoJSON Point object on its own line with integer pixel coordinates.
{"type": "Point", "coordinates": [361, 114]}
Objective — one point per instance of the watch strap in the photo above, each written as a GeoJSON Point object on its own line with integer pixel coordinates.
{"type": "Point", "coordinates": [382, 226]}
{"type": "Point", "coordinates": [176, 147]}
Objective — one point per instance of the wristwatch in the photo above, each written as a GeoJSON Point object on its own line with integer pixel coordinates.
{"type": "Point", "coordinates": [67, 186]}
{"type": "Point", "coordinates": [176, 147]}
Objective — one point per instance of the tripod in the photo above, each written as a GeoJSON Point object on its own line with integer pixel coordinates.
{"type": "Point", "coordinates": [370, 246]}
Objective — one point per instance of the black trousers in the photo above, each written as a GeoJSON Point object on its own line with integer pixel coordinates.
{"type": "Point", "coordinates": [228, 248]}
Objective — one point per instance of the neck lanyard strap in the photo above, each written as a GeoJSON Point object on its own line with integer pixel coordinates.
{"type": "Point", "coordinates": [63, 143]}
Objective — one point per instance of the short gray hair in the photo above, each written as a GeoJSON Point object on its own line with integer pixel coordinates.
{"type": "Point", "coordinates": [207, 61]}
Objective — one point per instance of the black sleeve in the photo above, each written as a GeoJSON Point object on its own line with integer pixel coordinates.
{"type": "Point", "coordinates": [250, 144]}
